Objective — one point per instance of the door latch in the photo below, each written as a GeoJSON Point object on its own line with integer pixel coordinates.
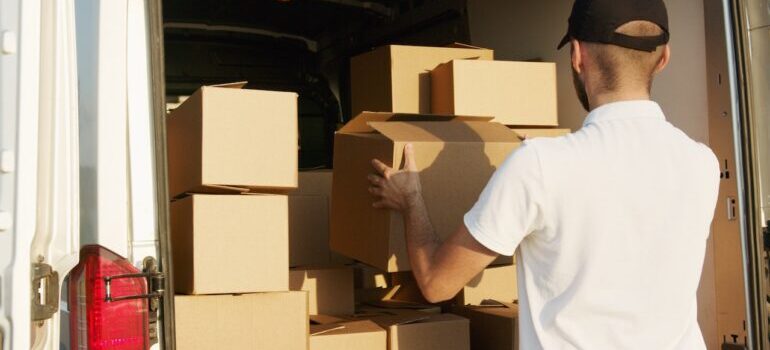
{"type": "Point", "coordinates": [45, 291]}
{"type": "Point", "coordinates": [155, 289]}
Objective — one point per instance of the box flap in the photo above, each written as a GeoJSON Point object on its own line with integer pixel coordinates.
{"type": "Point", "coordinates": [325, 319]}
{"type": "Point", "coordinates": [467, 131]}
{"type": "Point", "coordinates": [235, 85]}
{"type": "Point", "coordinates": [319, 329]}
{"type": "Point", "coordinates": [398, 304]}
{"type": "Point", "coordinates": [360, 124]}
{"type": "Point", "coordinates": [497, 303]}
{"type": "Point", "coordinates": [465, 46]}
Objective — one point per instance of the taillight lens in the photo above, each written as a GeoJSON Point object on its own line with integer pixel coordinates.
{"type": "Point", "coordinates": [96, 323]}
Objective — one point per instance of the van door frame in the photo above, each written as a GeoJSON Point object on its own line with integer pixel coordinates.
{"type": "Point", "coordinates": [744, 130]}
{"type": "Point", "coordinates": [158, 83]}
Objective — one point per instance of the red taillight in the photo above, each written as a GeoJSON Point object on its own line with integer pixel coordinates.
{"type": "Point", "coordinates": [95, 322]}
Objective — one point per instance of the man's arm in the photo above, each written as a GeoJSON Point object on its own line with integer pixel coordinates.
{"type": "Point", "coordinates": [440, 268]}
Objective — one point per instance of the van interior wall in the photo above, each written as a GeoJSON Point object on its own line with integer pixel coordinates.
{"type": "Point", "coordinates": [525, 30]}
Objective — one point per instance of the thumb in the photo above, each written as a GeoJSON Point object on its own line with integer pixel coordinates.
{"type": "Point", "coordinates": [409, 162]}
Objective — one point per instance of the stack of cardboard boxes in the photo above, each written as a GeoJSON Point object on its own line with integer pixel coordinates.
{"type": "Point", "coordinates": [268, 257]}
{"type": "Point", "coordinates": [231, 155]}
{"type": "Point", "coordinates": [464, 113]}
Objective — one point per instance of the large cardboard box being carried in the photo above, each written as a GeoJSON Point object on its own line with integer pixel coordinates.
{"type": "Point", "coordinates": [515, 93]}
{"type": "Point", "coordinates": [232, 140]}
{"type": "Point", "coordinates": [495, 282]}
{"type": "Point", "coordinates": [230, 243]}
{"type": "Point", "coordinates": [246, 321]}
{"type": "Point", "coordinates": [396, 78]}
{"type": "Point", "coordinates": [331, 333]}
{"type": "Point", "coordinates": [330, 288]}
{"type": "Point", "coordinates": [458, 153]}
{"type": "Point", "coordinates": [415, 330]}
{"type": "Point", "coordinates": [493, 326]}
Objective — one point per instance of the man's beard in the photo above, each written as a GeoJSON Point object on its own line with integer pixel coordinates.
{"type": "Point", "coordinates": [580, 89]}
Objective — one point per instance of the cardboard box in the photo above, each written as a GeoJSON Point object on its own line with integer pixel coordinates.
{"type": "Point", "coordinates": [314, 183]}
{"type": "Point", "coordinates": [493, 327]}
{"type": "Point", "coordinates": [395, 307]}
{"type": "Point", "coordinates": [340, 334]}
{"type": "Point", "coordinates": [444, 146]}
{"type": "Point", "coordinates": [330, 289]}
{"type": "Point", "coordinates": [542, 132]}
{"type": "Point", "coordinates": [308, 230]}
{"type": "Point", "coordinates": [228, 140]}
{"type": "Point", "coordinates": [515, 93]}
{"type": "Point", "coordinates": [396, 78]}
{"type": "Point", "coordinates": [496, 282]}
{"type": "Point", "coordinates": [230, 243]}
{"type": "Point", "coordinates": [246, 321]}
{"type": "Point", "coordinates": [414, 330]}
{"type": "Point", "coordinates": [309, 221]}
{"type": "Point", "coordinates": [369, 277]}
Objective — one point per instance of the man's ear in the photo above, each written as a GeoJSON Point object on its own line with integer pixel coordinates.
{"type": "Point", "coordinates": [577, 56]}
{"type": "Point", "coordinates": [664, 59]}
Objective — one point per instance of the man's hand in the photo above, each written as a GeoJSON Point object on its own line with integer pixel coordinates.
{"type": "Point", "coordinates": [396, 189]}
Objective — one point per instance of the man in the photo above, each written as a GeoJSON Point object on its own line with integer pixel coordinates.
{"type": "Point", "coordinates": [610, 222]}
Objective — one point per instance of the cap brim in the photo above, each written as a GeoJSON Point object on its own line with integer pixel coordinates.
{"type": "Point", "coordinates": [564, 41]}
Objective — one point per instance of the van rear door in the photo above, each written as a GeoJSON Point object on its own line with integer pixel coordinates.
{"type": "Point", "coordinates": [39, 181]}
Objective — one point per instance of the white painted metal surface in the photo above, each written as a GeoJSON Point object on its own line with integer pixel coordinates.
{"type": "Point", "coordinates": [19, 71]}
{"type": "Point", "coordinates": [102, 69]}
{"type": "Point", "coordinates": [57, 228]}
{"type": "Point", "coordinates": [144, 235]}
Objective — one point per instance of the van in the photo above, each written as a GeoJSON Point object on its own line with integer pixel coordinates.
{"type": "Point", "coordinates": [85, 86]}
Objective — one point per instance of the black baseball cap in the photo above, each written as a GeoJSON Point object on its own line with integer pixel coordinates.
{"type": "Point", "coordinates": [597, 21]}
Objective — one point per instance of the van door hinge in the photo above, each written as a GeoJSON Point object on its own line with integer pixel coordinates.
{"type": "Point", "coordinates": [155, 289]}
{"type": "Point", "coordinates": [45, 291]}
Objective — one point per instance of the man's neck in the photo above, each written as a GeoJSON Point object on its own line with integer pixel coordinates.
{"type": "Point", "coordinates": [601, 99]}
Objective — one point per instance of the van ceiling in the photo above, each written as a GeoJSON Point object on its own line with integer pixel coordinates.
{"type": "Point", "coordinates": [297, 45]}
{"type": "Point", "coordinates": [300, 17]}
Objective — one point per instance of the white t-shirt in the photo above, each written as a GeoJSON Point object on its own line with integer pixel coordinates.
{"type": "Point", "coordinates": [611, 225]}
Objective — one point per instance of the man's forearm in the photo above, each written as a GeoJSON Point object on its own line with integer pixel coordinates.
{"type": "Point", "coordinates": [421, 240]}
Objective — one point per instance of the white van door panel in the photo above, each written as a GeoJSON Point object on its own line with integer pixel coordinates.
{"type": "Point", "coordinates": [101, 40]}
{"type": "Point", "coordinates": [39, 171]}
{"type": "Point", "coordinates": [57, 230]}
{"type": "Point", "coordinates": [19, 22]}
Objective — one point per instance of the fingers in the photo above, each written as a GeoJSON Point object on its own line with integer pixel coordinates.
{"type": "Point", "coordinates": [409, 162]}
{"type": "Point", "coordinates": [381, 168]}
{"type": "Point", "coordinates": [375, 191]}
{"type": "Point", "coordinates": [375, 180]}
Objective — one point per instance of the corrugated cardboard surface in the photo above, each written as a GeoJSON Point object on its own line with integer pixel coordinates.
{"type": "Point", "coordinates": [492, 328]}
{"type": "Point", "coordinates": [308, 230]}
{"type": "Point", "coordinates": [515, 93]}
{"type": "Point", "coordinates": [230, 243]}
{"type": "Point", "coordinates": [330, 289]}
{"type": "Point", "coordinates": [233, 140]}
{"type": "Point", "coordinates": [369, 277]}
{"type": "Point", "coordinates": [349, 335]}
{"type": "Point", "coordinates": [396, 78]}
{"type": "Point", "coordinates": [496, 282]}
{"type": "Point", "coordinates": [443, 149]}
{"type": "Point", "coordinates": [544, 132]}
{"type": "Point", "coordinates": [247, 321]}
{"type": "Point", "coordinates": [314, 183]}
{"type": "Point", "coordinates": [414, 330]}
